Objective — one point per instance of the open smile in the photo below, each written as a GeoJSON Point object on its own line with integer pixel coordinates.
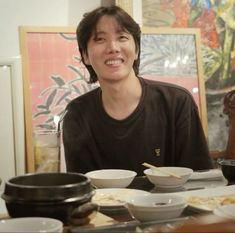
{"type": "Point", "coordinates": [114, 61]}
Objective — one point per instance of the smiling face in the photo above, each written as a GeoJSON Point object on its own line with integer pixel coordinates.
{"type": "Point", "coordinates": [111, 51]}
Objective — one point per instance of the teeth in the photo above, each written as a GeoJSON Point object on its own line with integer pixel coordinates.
{"type": "Point", "coordinates": [113, 62]}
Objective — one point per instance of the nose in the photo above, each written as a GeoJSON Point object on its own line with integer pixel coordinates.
{"type": "Point", "coordinates": [113, 47]}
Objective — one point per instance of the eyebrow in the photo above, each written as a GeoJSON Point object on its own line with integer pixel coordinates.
{"type": "Point", "coordinates": [120, 31]}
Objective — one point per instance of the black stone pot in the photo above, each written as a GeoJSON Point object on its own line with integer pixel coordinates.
{"type": "Point", "coordinates": [64, 196]}
{"type": "Point", "coordinates": [228, 169]}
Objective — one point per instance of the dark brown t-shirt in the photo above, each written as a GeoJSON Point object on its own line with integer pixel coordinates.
{"type": "Point", "coordinates": [164, 130]}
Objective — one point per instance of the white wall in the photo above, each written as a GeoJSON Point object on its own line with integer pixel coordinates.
{"type": "Point", "coordinates": [15, 13]}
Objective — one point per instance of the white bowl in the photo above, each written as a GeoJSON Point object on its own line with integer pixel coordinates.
{"type": "Point", "coordinates": [162, 180]}
{"type": "Point", "coordinates": [159, 201]}
{"type": "Point", "coordinates": [111, 178]}
{"type": "Point", "coordinates": [31, 224]}
{"type": "Point", "coordinates": [155, 206]}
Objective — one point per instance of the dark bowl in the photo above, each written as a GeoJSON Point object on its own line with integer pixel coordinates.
{"type": "Point", "coordinates": [55, 195]}
{"type": "Point", "coordinates": [228, 169]}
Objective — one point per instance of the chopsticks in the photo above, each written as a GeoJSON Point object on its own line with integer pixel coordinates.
{"type": "Point", "coordinates": [161, 170]}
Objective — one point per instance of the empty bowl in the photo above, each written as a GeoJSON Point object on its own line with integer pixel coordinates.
{"type": "Point", "coordinates": [31, 224]}
{"type": "Point", "coordinates": [155, 206]}
{"type": "Point", "coordinates": [111, 178]}
{"type": "Point", "coordinates": [162, 180]}
{"type": "Point", "coordinates": [228, 169]}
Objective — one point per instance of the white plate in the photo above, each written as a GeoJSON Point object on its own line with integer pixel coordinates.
{"type": "Point", "coordinates": [209, 193]}
{"type": "Point", "coordinates": [205, 183]}
{"type": "Point", "coordinates": [114, 197]}
{"type": "Point", "coordinates": [207, 175]}
{"type": "Point", "coordinates": [226, 211]}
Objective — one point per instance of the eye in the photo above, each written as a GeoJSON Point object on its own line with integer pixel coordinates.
{"type": "Point", "coordinates": [99, 39]}
{"type": "Point", "coordinates": [124, 38]}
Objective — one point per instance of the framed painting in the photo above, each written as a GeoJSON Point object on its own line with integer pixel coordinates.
{"type": "Point", "coordinates": [53, 75]}
{"type": "Point", "coordinates": [174, 55]}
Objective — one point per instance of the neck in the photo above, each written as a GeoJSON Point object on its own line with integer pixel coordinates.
{"type": "Point", "coordinates": [121, 99]}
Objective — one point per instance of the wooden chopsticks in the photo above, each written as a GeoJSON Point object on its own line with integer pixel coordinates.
{"type": "Point", "coordinates": [161, 170]}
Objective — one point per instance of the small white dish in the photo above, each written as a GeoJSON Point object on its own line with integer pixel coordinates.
{"type": "Point", "coordinates": [31, 224]}
{"type": "Point", "coordinates": [155, 206]}
{"type": "Point", "coordinates": [111, 178]}
{"type": "Point", "coordinates": [226, 211]}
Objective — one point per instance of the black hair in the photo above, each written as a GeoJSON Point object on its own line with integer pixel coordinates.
{"type": "Point", "coordinates": [88, 24]}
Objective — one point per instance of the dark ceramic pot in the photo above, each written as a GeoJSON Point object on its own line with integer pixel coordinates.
{"type": "Point", "coordinates": [228, 169]}
{"type": "Point", "coordinates": [64, 196]}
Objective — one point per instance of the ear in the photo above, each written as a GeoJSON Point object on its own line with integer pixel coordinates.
{"type": "Point", "coordinates": [86, 59]}
{"type": "Point", "coordinates": [136, 54]}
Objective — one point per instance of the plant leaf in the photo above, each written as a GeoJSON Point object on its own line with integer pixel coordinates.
{"type": "Point", "coordinates": [50, 98]}
{"type": "Point", "coordinates": [58, 80]}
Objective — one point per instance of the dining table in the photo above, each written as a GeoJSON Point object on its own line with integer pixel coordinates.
{"type": "Point", "coordinates": [118, 219]}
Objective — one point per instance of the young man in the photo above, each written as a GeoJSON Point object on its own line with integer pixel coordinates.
{"type": "Point", "coordinates": [128, 120]}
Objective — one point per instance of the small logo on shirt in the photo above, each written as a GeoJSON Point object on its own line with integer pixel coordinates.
{"type": "Point", "coordinates": [157, 152]}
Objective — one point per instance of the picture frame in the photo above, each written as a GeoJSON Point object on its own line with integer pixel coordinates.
{"type": "Point", "coordinates": [174, 55]}
{"type": "Point", "coordinates": [133, 8]}
{"type": "Point", "coordinates": [127, 5]}
{"type": "Point", "coordinates": [53, 75]}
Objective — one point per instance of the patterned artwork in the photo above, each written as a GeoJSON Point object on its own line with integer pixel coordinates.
{"type": "Point", "coordinates": [56, 75]}
{"type": "Point", "coordinates": [168, 55]}
{"type": "Point", "coordinates": [171, 58]}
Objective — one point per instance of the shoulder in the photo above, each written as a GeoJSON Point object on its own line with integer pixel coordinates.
{"type": "Point", "coordinates": [168, 91]}
{"type": "Point", "coordinates": [169, 96]}
{"type": "Point", "coordinates": [84, 100]}
{"type": "Point", "coordinates": [165, 87]}
{"type": "Point", "coordinates": [82, 107]}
